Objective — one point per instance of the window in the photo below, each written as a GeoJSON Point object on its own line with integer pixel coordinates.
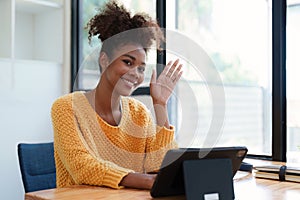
{"type": "Point", "coordinates": [245, 43]}
{"type": "Point", "coordinates": [292, 73]}
{"type": "Point", "coordinates": [239, 45]}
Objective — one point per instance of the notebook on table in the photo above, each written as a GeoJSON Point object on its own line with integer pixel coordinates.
{"type": "Point", "coordinates": [170, 179]}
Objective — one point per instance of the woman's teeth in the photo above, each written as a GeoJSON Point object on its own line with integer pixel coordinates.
{"type": "Point", "coordinates": [130, 82]}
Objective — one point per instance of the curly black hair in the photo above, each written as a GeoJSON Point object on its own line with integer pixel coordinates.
{"type": "Point", "coordinates": [115, 21]}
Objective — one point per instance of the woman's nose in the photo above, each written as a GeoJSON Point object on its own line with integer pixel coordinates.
{"type": "Point", "coordinates": [134, 72]}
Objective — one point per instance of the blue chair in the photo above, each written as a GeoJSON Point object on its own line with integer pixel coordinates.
{"type": "Point", "coordinates": [37, 166]}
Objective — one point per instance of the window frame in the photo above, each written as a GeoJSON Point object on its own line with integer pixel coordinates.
{"type": "Point", "coordinates": [279, 118]}
{"type": "Point", "coordinates": [74, 42]}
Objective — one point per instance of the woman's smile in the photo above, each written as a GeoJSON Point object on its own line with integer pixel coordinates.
{"type": "Point", "coordinates": [129, 83]}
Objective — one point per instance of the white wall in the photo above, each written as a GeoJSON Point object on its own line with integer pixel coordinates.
{"type": "Point", "coordinates": [5, 32]}
{"type": "Point", "coordinates": [34, 71]}
{"type": "Point", "coordinates": [27, 90]}
{"type": "Point", "coordinates": [52, 33]}
{"type": "Point", "coordinates": [24, 36]}
{"type": "Point", "coordinates": [39, 36]}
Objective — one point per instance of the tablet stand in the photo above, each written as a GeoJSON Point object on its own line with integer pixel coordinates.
{"type": "Point", "coordinates": [208, 179]}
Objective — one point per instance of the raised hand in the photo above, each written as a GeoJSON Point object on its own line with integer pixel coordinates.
{"type": "Point", "coordinates": [162, 87]}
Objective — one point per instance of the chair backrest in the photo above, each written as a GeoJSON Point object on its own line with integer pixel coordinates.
{"type": "Point", "coordinates": [37, 166]}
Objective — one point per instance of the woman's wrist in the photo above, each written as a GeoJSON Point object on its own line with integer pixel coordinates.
{"type": "Point", "coordinates": [161, 114]}
{"type": "Point", "coordinates": [158, 102]}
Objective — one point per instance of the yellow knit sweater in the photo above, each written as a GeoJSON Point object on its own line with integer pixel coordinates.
{"type": "Point", "coordinates": [90, 151]}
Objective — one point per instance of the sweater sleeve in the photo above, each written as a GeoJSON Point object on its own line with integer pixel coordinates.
{"type": "Point", "coordinates": [157, 145]}
{"type": "Point", "coordinates": [73, 160]}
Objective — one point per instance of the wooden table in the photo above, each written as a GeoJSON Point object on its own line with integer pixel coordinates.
{"type": "Point", "coordinates": [246, 186]}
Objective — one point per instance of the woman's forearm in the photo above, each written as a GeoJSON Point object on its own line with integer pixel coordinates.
{"type": "Point", "coordinates": [161, 114]}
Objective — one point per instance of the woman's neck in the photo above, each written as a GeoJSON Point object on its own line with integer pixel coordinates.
{"type": "Point", "coordinates": [105, 101]}
{"type": "Point", "coordinates": [106, 104]}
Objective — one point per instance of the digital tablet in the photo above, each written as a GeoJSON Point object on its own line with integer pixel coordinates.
{"type": "Point", "coordinates": [170, 181]}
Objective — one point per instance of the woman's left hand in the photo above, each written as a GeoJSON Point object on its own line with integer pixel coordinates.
{"type": "Point", "coordinates": [162, 87]}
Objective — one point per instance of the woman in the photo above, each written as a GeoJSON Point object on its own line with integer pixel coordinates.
{"type": "Point", "coordinates": [104, 137]}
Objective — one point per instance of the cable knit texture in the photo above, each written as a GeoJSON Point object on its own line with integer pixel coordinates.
{"type": "Point", "coordinates": [89, 151]}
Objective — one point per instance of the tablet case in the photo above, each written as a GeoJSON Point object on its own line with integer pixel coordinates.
{"type": "Point", "coordinates": [208, 179]}
{"type": "Point", "coordinates": [170, 180]}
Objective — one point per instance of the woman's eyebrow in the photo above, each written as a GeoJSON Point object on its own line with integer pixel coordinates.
{"type": "Point", "coordinates": [130, 56]}
{"type": "Point", "coordinates": [133, 58]}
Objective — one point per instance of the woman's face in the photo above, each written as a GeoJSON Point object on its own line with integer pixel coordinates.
{"type": "Point", "coordinates": [125, 71]}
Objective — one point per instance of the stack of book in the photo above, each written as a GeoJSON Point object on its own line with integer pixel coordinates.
{"type": "Point", "coordinates": [278, 172]}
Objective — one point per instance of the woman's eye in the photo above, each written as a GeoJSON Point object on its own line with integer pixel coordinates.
{"type": "Point", "coordinates": [127, 62]}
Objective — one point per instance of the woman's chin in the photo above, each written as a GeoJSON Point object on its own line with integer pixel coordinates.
{"type": "Point", "coordinates": [126, 92]}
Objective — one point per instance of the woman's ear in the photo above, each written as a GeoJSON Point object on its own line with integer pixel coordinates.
{"type": "Point", "coordinates": [103, 61]}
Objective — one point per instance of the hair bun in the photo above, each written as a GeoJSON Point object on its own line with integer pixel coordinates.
{"type": "Point", "coordinates": [113, 19]}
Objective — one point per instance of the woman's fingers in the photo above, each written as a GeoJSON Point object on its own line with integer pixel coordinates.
{"type": "Point", "coordinates": [171, 73]}
{"type": "Point", "coordinates": [177, 74]}
{"type": "Point", "coordinates": [171, 68]}
{"type": "Point", "coordinates": [166, 69]}
{"type": "Point", "coordinates": [175, 71]}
